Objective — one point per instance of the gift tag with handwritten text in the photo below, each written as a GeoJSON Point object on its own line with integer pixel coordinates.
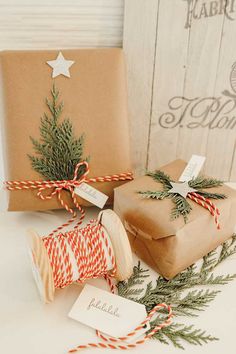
{"type": "Point", "coordinates": [108, 313]}
{"type": "Point", "coordinates": [193, 168]}
{"type": "Point", "coordinates": [91, 194]}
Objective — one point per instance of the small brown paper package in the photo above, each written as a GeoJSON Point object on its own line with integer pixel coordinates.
{"type": "Point", "coordinates": [95, 100]}
{"type": "Point", "coordinates": [171, 246]}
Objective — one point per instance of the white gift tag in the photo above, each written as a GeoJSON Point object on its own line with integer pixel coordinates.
{"type": "Point", "coordinates": [91, 194]}
{"type": "Point", "coordinates": [108, 313]}
{"type": "Point", "coordinates": [193, 168]}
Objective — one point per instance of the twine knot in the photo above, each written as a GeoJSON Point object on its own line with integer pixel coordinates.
{"type": "Point", "coordinates": [58, 186]}
{"type": "Point", "coordinates": [69, 185]}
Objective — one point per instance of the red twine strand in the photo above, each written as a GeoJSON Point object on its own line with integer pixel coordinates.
{"type": "Point", "coordinates": [69, 185]}
{"type": "Point", "coordinates": [207, 204]}
{"type": "Point", "coordinates": [118, 343]}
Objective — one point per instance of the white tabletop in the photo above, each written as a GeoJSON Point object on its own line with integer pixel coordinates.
{"type": "Point", "coordinates": [29, 327]}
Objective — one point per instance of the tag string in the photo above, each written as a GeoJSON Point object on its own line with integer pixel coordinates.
{"type": "Point", "coordinates": [56, 188]}
{"type": "Point", "coordinates": [207, 204]}
{"type": "Point", "coordinates": [87, 253]}
{"type": "Point", "coordinates": [118, 343]}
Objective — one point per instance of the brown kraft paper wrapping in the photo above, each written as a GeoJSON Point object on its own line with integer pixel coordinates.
{"type": "Point", "coordinates": [171, 246]}
{"type": "Point", "coordinates": [95, 99]}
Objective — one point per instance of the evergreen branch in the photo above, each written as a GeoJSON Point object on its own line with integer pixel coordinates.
{"type": "Point", "coordinates": [155, 195]}
{"type": "Point", "coordinates": [175, 333]}
{"type": "Point", "coordinates": [202, 182]}
{"type": "Point", "coordinates": [212, 195]}
{"type": "Point", "coordinates": [180, 292]}
{"type": "Point", "coordinates": [227, 250]}
{"type": "Point", "coordinates": [125, 288]}
{"type": "Point", "coordinates": [161, 177]}
{"type": "Point", "coordinates": [58, 151]}
{"type": "Point", "coordinates": [210, 261]}
{"type": "Point", "coordinates": [182, 207]}
{"type": "Point", "coordinates": [194, 301]}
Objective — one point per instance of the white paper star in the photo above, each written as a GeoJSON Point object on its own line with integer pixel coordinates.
{"type": "Point", "coordinates": [181, 189]}
{"type": "Point", "coordinates": [60, 66]}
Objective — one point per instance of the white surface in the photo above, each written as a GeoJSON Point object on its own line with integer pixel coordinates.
{"type": "Point", "coordinates": [31, 24]}
{"type": "Point", "coordinates": [29, 327]}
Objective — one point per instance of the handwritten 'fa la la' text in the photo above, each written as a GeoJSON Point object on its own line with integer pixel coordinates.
{"type": "Point", "coordinates": [103, 306]}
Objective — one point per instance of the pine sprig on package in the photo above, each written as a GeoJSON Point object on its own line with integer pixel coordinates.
{"type": "Point", "coordinates": [58, 151]}
{"type": "Point", "coordinates": [189, 293]}
{"type": "Point", "coordinates": [182, 206]}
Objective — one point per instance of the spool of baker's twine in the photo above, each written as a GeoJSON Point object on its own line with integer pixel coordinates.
{"type": "Point", "coordinates": [100, 249]}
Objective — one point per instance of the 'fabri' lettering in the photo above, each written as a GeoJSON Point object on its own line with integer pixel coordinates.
{"type": "Point", "coordinates": [197, 10]}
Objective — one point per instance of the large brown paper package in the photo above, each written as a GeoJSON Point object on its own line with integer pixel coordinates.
{"type": "Point", "coordinates": [95, 100]}
{"type": "Point", "coordinates": [171, 246]}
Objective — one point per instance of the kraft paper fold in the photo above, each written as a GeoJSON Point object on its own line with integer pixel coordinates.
{"type": "Point", "coordinates": [171, 246]}
{"type": "Point", "coordinates": [95, 99]}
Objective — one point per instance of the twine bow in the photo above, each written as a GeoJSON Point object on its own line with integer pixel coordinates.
{"type": "Point", "coordinates": [69, 185]}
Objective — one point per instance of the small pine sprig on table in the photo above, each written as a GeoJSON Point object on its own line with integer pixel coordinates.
{"type": "Point", "coordinates": [182, 206]}
{"type": "Point", "coordinates": [183, 293]}
{"type": "Point", "coordinates": [58, 151]}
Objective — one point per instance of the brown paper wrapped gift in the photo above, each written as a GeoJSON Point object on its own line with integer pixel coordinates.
{"type": "Point", "coordinates": [94, 99]}
{"type": "Point", "coordinates": [171, 246]}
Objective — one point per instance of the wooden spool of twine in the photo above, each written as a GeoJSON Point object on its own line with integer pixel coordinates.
{"type": "Point", "coordinates": [101, 248]}
{"type": "Point", "coordinates": [104, 238]}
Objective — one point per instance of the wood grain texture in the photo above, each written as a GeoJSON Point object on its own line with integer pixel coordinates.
{"type": "Point", "coordinates": [223, 142]}
{"type": "Point", "coordinates": [60, 24]}
{"type": "Point", "coordinates": [140, 24]}
{"type": "Point", "coordinates": [201, 69]}
{"type": "Point", "coordinates": [169, 78]}
{"type": "Point", "coordinates": [41, 267]}
{"type": "Point", "coordinates": [120, 243]}
{"type": "Point", "coordinates": [194, 52]}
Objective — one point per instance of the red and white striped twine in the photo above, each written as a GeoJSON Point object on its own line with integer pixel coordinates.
{"type": "Point", "coordinates": [58, 186]}
{"type": "Point", "coordinates": [93, 255]}
{"type": "Point", "coordinates": [118, 343]}
{"type": "Point", "coordinates": [87, 249]}
{"type": "Point", "coordinates": [207, 204]}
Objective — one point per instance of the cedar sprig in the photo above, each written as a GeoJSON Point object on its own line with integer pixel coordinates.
{"type": "Point", "coordinates": [189, 293]}
{"type": "Point", "coordinates": [181, 206]}
{"type": "Point", "coordinates": [161, 177]}
{"type": "Point", "coordinates": [58, 151]}
{"type": "Point", "coordinates": [127, 289]}
{"type": "Point", "coordinates": [178, 333]}
{"type": "Point", "coordinates": [155, 194]}
{"type": "Point", "coordinates": [201, 182]}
